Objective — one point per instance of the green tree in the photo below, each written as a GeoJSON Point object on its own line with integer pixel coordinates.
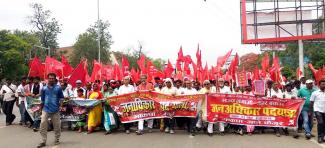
{"type": "Point", "coordinates": [32, 39]}
{"type": "Point", "coordinates": [47, 27]}
{"type": "Point", "coordinates": [86, 45]}
{"type": "Point", "coordinates": [12, 61]}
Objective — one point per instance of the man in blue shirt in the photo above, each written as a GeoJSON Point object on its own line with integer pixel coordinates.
{"type": "Point", "coordinates": [51, 97]}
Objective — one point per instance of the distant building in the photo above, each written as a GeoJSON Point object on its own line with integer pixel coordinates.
{"type": "Point", "coordinates": [65, 51]}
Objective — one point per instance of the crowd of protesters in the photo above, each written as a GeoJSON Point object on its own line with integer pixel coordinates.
{"type": "Point", "coordinates": [98, 117]}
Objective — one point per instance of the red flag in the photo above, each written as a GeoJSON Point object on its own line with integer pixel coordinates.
{"type": "Point", "coordinates": [233, 67]}
{"type": "Point", "coordinates": [36, 68]}
{"type": "Point", "coordinates": [180, 55]}
{"type": "Point", "coordinates": [97, 72]}
{"type": "Point", "coordinates": [187, 62]}
{"type": "Point", "coordinates": [125, 66]}
{"type": "Point", "coordinates": [107, 72]}
{"type": "Point", "coordinates": [67, 69]}
{"type": "Point", "coordinates": [117, 72]}
{"type": "Point", "coordinates": [135, 75]}
{"type": "Point", "coordinates": [222, 59]}
{"type": "Point", "coordinates": [53, 66]}
{"type": "Point", "coordinates": [299, 73]}
{"type": "Point", "coordinates": [275, 71]}
{"type": "Point", "coordinates": [141, 64]}
{"type": "Point", "coordinates": [80, 73]}
{"type": "Point", "coordinates": [169, 70]}
{"type": "Point", "coordinates": [265, 63]}
{"type": "Point", "coordinates": [256, 74]}
{"type": "Point", "coordinates": [153, 71]}
{"type": "Point", "coordinates": [205, 73]}
{"type": "Point", "coordinates": [198, 57]}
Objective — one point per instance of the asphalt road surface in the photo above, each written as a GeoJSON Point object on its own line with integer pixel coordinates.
{"type": "Point", "coordinates": [16, 136]}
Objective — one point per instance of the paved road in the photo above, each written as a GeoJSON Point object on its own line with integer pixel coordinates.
{"type": "Point", "coordinates": [16, 136]}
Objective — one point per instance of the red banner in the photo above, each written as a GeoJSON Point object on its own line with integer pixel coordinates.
{"type": "Point", "coordinates": [250, 110]}
{"type": "Point", "coordinates": [148, 105]}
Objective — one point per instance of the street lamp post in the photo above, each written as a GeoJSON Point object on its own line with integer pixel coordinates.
{"type": "Point", "coordinates": [99, 36]}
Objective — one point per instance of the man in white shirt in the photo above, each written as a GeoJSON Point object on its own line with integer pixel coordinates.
{"type": "Point", "coordinates": [22, 93]}
{"type": "Point", "coordinates": [317, 104]}
{"type": "Point", "coordinates": [275, 92]}
{"type": "Point", "coordinates": [206, 89]}
{"type": "Point", "coordinates": [169, 89]}
{"type": "Point", "coordinates": [8, 92]}
{"type": "Point", "coordinates": [225, 90]}
{"type": "Point", "coordinates": [289, 93]}
{"type": "Point", "coordinates": [179, 87]}
{"type": "Point", "coordinates": [125, 89]}
{"type": "Point", "coordinates": [78, 86]}
{"type": "Point", "coordinates": [190, 121]}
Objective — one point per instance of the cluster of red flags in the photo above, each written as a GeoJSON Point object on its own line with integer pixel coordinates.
{"type": "Point", "coordinates": [182, 69]}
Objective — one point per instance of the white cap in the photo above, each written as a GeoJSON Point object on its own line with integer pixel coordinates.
{"type": "Point", "coordinates": [309, 81]}
{"type": "Point", "coordinates": [78, 81]}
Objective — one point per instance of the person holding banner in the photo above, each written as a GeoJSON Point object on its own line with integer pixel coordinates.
{"type": "Point", "coordinates": [275, 92]}
{"type": "Point", "coordinates": [225, 90]}
{"type": "Point", "coordinates": [305, 92]}
{"type": "Point", "coordinates": [144, 86]}
{"type": "Point", "coordinates": [36, 93]}
{"type": "Point", "coordinates": [78, 86]}
{"type": "Point", "coordinates": [203, 114]}
{"type": "Point", "coordinates": [124, 89]}
{"type": "Point", "coordinates": [95, 114]}
{"type": "Point", "coordinates": [110, 117]}
{"type": "Point", "coordinates": [169, 89]}
{"type": "Point", "coordinates": [191, 121]}
{"type": "Point", "coordinates": [317, 104]}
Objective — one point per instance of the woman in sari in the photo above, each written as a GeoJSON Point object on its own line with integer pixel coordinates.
{"type": "Point", "coordinates": [95, 114]}
{"type": "Point", "coordinates": [110, 117]}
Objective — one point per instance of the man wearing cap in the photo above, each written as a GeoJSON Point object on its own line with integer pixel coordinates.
{"type": "Point", "coordinates": [317, 104]}
{"type": "Point", "coordinates": [78, 86]}
{"type": "Point", "coordinates": [305, 92]}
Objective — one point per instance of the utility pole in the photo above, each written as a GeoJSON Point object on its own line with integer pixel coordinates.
{"type": "Point", "coordinates": [99, 35]}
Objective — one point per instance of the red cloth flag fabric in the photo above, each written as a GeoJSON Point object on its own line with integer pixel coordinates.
{"type": "Point", "coordinates": [67, 69]}
{"type": "Point", "coordinates": [299, 73]}
{"type": "Point", "coordinates": [265, 64]}
{"type": "Point", "coordinates": [97, 72]}
{"type": "Point", "coordinates": [206, 72]}
{"type": "Point", "coordinates": [53, 66]}
{"type": "Point", "coordinates": [135, 75]}
{"type": "Point", "coordinates": [233, 67]}
{"type": "Point", "coordinates": [141, 64]}
{"type": "Point", "coordinates": [187, 62]}
{"type": "Point", "coordinates": [125, 66]}
{"type": "Point", "coordinates": [180, 55]}
{"type": "Point", "coordinates": [169, 70]}
{"type": "Point", "coordinates": [256, 74]}
{"type": "Point", "coordinates": [222, 59]}
{"type": "Point", "coordinates": [79, 73]}
{"type": "Point", "coordinates": [275, 71]}
{"type": "Point", "coordinates": [153, 71]}
{"type": "Point", "coordinates": [36, 68]}
{"type": "Point", "coordinates": [107, 72]}
{"type": "Point", "coordinates": [117, 72]}
{"type": "Point", "coordinates": [198, 57]}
